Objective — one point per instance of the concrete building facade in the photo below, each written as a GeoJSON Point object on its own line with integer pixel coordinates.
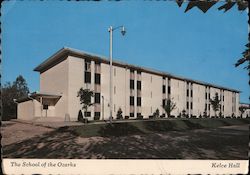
{"type": "Point", "coordinates": [136, 90]}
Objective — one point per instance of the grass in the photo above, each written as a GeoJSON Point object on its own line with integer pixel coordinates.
{"type": "Point", "coordinates": [151, 126]}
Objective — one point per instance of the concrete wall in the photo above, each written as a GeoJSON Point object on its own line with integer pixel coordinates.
{"type": "Point", "coordinates": [56, 80]}
{"type": "Point", "coordinates": [25, 110]}
{"type": "Point", "coordinates": [67, 78]}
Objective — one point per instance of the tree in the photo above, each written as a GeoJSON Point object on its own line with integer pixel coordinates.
{"type": "Point", "coordinates": [242, 110]}
{"type": "Point", "coordinates": [215, 102]}
{"type": "Point", "coordinates": [11, 91]}
{"type": "Point", "coordinates": [156, 114]}
{"type": "Point", "coordinates": [169, 106]}
{"type": "Point", "coordinates": [119, 114]}
{"type": "Point", "coordinates": [85, 99]}
{"type": "Point", "coordinates": [205, 5]}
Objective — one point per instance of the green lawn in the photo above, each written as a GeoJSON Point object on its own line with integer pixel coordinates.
{"type": "Point", "coordinates": [151, 126]}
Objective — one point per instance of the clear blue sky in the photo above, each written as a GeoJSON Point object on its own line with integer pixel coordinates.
{"type": "Point", "coordinates": [159, 35]}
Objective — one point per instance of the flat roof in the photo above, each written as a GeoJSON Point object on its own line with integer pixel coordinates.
{"type": "Point", "coordinates": [63, 53]}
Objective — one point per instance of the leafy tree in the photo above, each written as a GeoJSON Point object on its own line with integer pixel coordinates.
{"type": "Point", "coordinates": [242, 109]}
{"type": "Point", "coordinates": [119, 114]}
{"type": "Point", "coordinates": [169, 106]}
{"type": "Point", "coordinates": [85, 99]}
{"type": "Point", "coordinates": [11, 91]}
{"type": "Point", "coordinates": [205, 5]}
{"type": "Point", "coordinates": [156, 114]}
{"type": "Point", "coordinates": [215, 102]}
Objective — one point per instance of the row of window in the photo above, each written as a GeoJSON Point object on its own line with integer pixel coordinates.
{"type": "Point", "coordinates": [132, 101]}
{"type": "Point", "coordinates": [88, 114]}
{"type": "Point", "coordinates": [88, 78]}
{"type": "Point", "coordinates": [164, 89]}
{"type": "Point", "coordinates": [131, 114]}
{"type": "Point", "coordinates": [132, 85]}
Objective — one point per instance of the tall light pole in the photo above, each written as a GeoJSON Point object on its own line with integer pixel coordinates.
{"type": "Point", "coordinates": [111, 29]}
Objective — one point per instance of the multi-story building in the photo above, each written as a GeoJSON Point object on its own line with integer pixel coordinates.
{"type": "Point", "coordinates": [136, 90]}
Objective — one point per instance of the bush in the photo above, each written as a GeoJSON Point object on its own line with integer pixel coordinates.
{"type": "Point", "coordinates": [163, 115]}
{"type": "Point", "coordinates": [80, 116]}
{"type": "Point", "coordinates": [172, 116]}
{"type": "Point", "coordinates": [85, 120]}
{"type": "Point", "coordinates": [96, 117]}
{"type": "Point", "coordinates": [200, 116]}
{"type": "Point", "coordinates": [126, 117]}
{"type": "Point", "coordinates": [139, 117]}
{"type": "Point", "coordinates": [119, 114]}
{"type": "Point", "coordinates": [156, 114]}
{"type": "Point", "coordinates": [193, 116]}
{"type": "Point", "coordinates": [151, 117]}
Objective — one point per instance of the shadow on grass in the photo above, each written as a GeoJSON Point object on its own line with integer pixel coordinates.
{"type": "Point", "coordinates": [190, 144]}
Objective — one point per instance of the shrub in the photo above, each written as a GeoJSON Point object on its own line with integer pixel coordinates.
{"type": "Point", "coordinates": [139, 117]}
{"type": "Point", "coordinates": [200, 116]}
{"type": "Point", "coordinates": [85, 120]}
{"type": "Point", "coordinates": [156, 114]}
{"type": "Point", "coordinates": [80, 116]}
{"type": "Point", "coordinates": [183, 113]}
{"type": "Point", "coordinates": [172, 116]}
{"type": "Point", "coordinates": [126, 117]}
{"type": "Point", "coordinates": [205, 114]}
{"type": "Point", "coordinates": [193, 116]}
{"type": "Point", "coordinates": [150, 116]}
{"type": "Point", "coordinates": [119, 114]}
{"type": "Point", "coordinates": [179, 116]}
{"type": "Point", "coordinates": [163, 115]}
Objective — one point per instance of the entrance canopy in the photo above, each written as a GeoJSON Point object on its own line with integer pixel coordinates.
{"type": "Point", "coordinates": [43, 98]}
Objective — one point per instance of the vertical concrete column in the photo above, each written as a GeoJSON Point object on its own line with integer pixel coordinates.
{"type": "Point", "coordinates": [92, 86]}
{"type": "Point", "coordinates": [135, 97]}
{"type": "Point", "coordinates": [237, 104]}
{"type": "Point", "coordinates": [127, 92]}
{"type": "Point", "coordinates": [189, 99]}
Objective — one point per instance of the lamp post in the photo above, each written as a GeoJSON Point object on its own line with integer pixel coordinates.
{"type": "Point", "coordinates": [111, 29]}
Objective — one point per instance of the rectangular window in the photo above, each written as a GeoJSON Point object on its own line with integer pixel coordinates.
{"type": "Point", "coordinates": [163, 89]}
{"type": "Point", "coordinates": [132, 86]}
{"type": "Point", "coordinates": [187, 92]}
{"type": "Point", "coordinates": [169, 90]}
{"type": "Point", "coordinates": [209, 107]}
{"type": "Point", "coordinates": [131, 114]}
{"type": "Point", "coordinates": [87, 114]}
{"type": "Point", "coordinates": [45, 107]}
{"type": "Point", "coordinates": [138, 114]}
{"type": "Point", "coordinates": [87, 65]}
{"type": "Point", "coordinates": [206, 95]}
{"type": "Point", "coordinates": [138, 101]}
{"type": "Point", "coordinates": [205, 107]}
{"type": "Point", "coordinates": [139, 85]}
{"type": "Point", "coordinates": [191, 105]}
{"type": "Point", "coordinates": [97, 114]}
{"type": "Point", "coordinates": [131, 101]}
{"type": "Point", "coordinates": [187, 105]}
{"type": "Point", "coordinates": [87, 77]}
{"type": "Point", "coordinates": [97, 98]}
{"type": "Point", "coordinates": [97, 78]}
{"type": "Point", "coordinates": [163, 102]}
{"type": "Point", "coordinates": [191, 93]}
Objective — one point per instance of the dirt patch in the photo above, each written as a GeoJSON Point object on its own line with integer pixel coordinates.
{"type": "Point", "coordinates": [14, 132]}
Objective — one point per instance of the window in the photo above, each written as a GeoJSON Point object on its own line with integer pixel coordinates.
{"type": "Point", "coordinates": [139, 85]}
{"type": "Point", "coordinates": [132, 86]}
{"type": "Point", "coordinates": [97, 78]}
{"type": "Point", "coordinates": [87, 65]}
{"type": "Point", "coordinates": [191, 105]}
{"type": "Point", "coordinates": [131, 70]}
{"type": "Point", "coordinates": [163, 102]}
{"type": "Point", "coordinates": [209, 107]}
{"type": "Point", "coordinates": [138, 101]}
{"type": "Point", "coordinates": [187, 92]}
{"type": "Point", "coordinates": [87, 114]}
{"type": "Point", "coordinates": [131, 102]}
{"type": "Point", "coordinates": [138, 114]}
{"type": "Point", "coordinates": [191, 93]}
{"type": "Point", "coordinates": [169, 90]}
{"type": "Point", "coordinates": [97, 98]}
{"type": "Point", "coordinates": [87, 77]}
{"type": "Point", "coordinates": [131, 114]}
{"type": "Point", "coordinates": [139, 72]}
{"type": "Point", "coordinates": [97, 114]}
{"type": "Point", "coordinates": [187, 105]}
{"type": "Point", "coordinates": [45, 107]}
{"type": "Point", "coordinates": [205, 107]}
{"type": "Point", "coordinates": [206, 95]}
{"type": "Point", "coordinates": [163, 89]}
